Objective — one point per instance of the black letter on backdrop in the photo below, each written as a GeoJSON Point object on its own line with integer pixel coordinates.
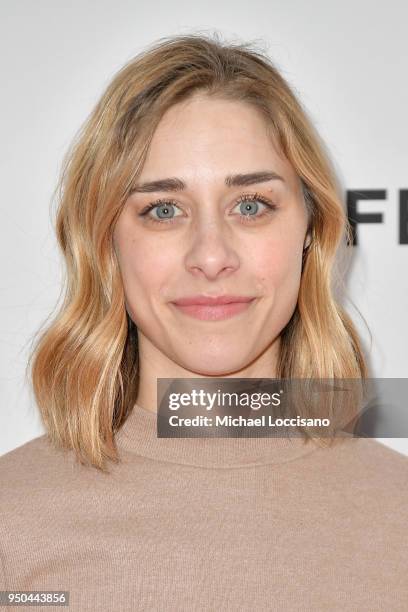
{"type": "Point", "coordinates": [355, 217]}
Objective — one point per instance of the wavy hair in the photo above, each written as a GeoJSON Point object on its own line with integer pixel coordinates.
{"type": "Point", "coordinates": [84, 365]}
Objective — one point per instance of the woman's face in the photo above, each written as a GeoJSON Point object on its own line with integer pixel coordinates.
{"type": "Point", "coordinates": [223, 226]}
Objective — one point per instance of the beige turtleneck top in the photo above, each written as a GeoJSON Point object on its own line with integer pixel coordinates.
{"type": "Point", "coordinates": [208, 524]}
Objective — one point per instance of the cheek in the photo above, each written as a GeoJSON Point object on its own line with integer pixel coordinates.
{"type": "Point", "coordinates": [277, 265]}
{"type": "Point", "coordinates": [145, 268]}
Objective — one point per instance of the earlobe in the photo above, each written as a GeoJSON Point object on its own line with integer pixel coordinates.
{"type": "Point", "coordinates": [308, 240]}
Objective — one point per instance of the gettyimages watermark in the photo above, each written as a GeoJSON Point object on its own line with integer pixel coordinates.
{"type": "Point", "coordinates": [273, 407]}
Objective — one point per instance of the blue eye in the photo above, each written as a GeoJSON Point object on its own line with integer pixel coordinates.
{"type": "Point", "coordinates": [249, 207]}
{"type": "Point", "coordinates": [164, 211]}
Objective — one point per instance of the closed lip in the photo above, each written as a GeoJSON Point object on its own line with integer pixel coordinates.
{"type": "Point", "coordinates": [204, 300]}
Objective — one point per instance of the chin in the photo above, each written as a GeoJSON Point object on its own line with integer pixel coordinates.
{"type": "Point", "coordinates": [217, 367]}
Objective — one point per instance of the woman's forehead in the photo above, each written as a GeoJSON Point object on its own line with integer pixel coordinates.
{"type": "Point", "coordinates": [209, 138]}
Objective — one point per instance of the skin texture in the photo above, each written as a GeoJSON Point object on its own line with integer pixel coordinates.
{"type": "Point", "coordinates": [208, 250]}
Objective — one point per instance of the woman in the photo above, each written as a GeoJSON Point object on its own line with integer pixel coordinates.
{"type": "Point", "coordinates": [198, 173]}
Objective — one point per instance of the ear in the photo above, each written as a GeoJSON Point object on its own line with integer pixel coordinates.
{"type": "Point", "coordinates": [308, 240]}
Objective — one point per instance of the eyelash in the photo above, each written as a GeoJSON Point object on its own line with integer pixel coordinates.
{"type": "Point", "coordinates": [271, 207]}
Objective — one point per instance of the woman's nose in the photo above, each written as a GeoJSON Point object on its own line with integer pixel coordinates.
{"type": "Point", "coordinates": [212, 249]}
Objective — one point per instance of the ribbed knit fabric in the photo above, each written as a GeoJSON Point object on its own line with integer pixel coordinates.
{"type": "Point", "coordinates": [215, 524]}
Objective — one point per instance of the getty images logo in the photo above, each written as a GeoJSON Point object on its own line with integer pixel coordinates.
{"type": "Point", "coordinates": [355, 216]}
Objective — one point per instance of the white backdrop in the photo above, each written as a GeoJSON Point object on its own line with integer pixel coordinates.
{"type": "Point", "coordinates": [348, 62]}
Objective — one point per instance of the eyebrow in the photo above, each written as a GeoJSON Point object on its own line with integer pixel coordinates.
{"type": "Point", "coordinates": [234, 180]}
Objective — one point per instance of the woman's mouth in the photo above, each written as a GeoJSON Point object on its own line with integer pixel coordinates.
{"type": "Point", "coordinates": [213, 309]}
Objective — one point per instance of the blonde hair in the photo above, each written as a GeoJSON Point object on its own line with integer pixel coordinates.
{"type": "Point", "coordinates": [85, 363]}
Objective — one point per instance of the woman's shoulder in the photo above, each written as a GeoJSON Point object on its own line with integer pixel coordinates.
{"type": "Point", "coordinates": [375, 454]}
{"type": "Point", "coordinates": [36, 464]}
{"type": "Point", "coordinates": [369, 467]}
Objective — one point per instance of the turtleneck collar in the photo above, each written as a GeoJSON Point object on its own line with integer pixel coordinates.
{"type": "Point", "coordinates": [139, 435]}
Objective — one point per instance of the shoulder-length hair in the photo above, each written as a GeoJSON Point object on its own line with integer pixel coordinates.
{"type": "Point", "coordinates": [84, 365]}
